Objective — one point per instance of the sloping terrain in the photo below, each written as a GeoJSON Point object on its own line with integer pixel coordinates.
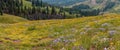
{"type": "Point", "coordinates": [89, 33]}
{"type": "Point", "coordinates": [62, 2]}
{"type": "Point", "coordinates": [6, 18]}
{"type": "Point", "coordinates": [27, 3]}
{"type": "Point", "coordinates": [108, 5]}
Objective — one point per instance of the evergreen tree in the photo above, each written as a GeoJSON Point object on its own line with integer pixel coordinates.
{"type": "Point", "coordinates": [41, 3]}
{"type": "Point", "coordinates": [1, 12]}
{"type": "Point", "coordinates": [37, 3]}
{"type": "Point", "coordinates": [21, 2]}
{"type": "Point", "coordinates": [53, 10]}
{"type": "Point", "coordinates": [33, 10]}
{"type": "Point", "coordinates": [33, 3]}
{"type": "Point", "coordinates": [60, 11]}
{"type": "Point", "coordinates": [47, 9]}
{"type": "Point", "coordinates": [64, 15]}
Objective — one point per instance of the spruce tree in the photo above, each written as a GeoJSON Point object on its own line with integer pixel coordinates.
{"type": "Point", "coordinates": [64, 15]}
{"type": "Point", "coordinates": [1, 7]}
{"type": "Point", "coordinates": [47, 9]}
{"type": "Point", "coordinates": [33, 3]}
{"type": "Point", "coordinates": [1, 12]}
{"type": "Point", "coordinates": [41, 3]}
{"type": "Point", "coordinates": [37, 3]}
{"type": "Point", "coordinates": [60, 11]}
{"type": "Point", "coordinates": [53, 10]}
{"type": "Point", "coordinates": [21, 3]}
{"type": "Point", "coordinates": [33, 10]}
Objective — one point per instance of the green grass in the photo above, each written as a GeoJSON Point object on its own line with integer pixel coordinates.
{"type": "Point", "coordinates": [87, 33]}
{"type": "Point", "coordinates": [11, 19]}
{"type": "Point", "coordinates": [27, 3]}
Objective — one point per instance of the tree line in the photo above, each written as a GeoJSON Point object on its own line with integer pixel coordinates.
{"type": "Point", "coordinates": [38, 10]}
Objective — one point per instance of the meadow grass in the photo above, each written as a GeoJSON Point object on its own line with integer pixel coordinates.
{"type": "Point", "coordinates": [87, 33]}
{"type": "Point", "coordinates": [11, 19]}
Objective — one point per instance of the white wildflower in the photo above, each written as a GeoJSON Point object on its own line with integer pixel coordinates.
{"type": "Point", "coordinates": [105, 48]}
{"type": "Point", "coordinates": [105, 24]}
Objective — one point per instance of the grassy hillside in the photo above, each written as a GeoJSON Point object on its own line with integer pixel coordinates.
{"type": "Point", "coordinates": [89, 33]}
{"type": "Point", "coordinates": [106, 5]}
{"type": "Point", "coordinates": [6, 18]}
{"type": "Point", "coordinates": [27, 3]}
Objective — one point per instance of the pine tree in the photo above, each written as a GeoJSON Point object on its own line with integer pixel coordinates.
{"type": "Point", "coordinates": [21, 3]}
{"type": "Point", "coordinates": [53, 10]}
{"type": "Point", "coordinates": [1, 7]}
{"type": "Point", "coordinates": [41, 3]}
{"type": "Point", "coordinates": [1, 12]}
{"type": "Point", "coordinates": [64, 15]}
{"type": "Point", "coordinates": [37, 3]}
{"type": "Point", "coordinates": [47, 9]}
{"type": "Point", "coordinates": [33, 3]}
{"type": "Point", "coordinates": [33, 10]}
{"type": "Point", "coordinates": [60, 11]}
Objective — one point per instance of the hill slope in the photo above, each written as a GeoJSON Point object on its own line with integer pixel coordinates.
{"type": "Point", "coordinates": [108, 5]}
{"type": "Point", "coordinates": [6, 18]}
{"type": "Point", "coordinates": [62, 2]}
{"type": "Point", "coordinates": [101, 32]}
{"type": "Point", "coordinates": [27, 3]}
